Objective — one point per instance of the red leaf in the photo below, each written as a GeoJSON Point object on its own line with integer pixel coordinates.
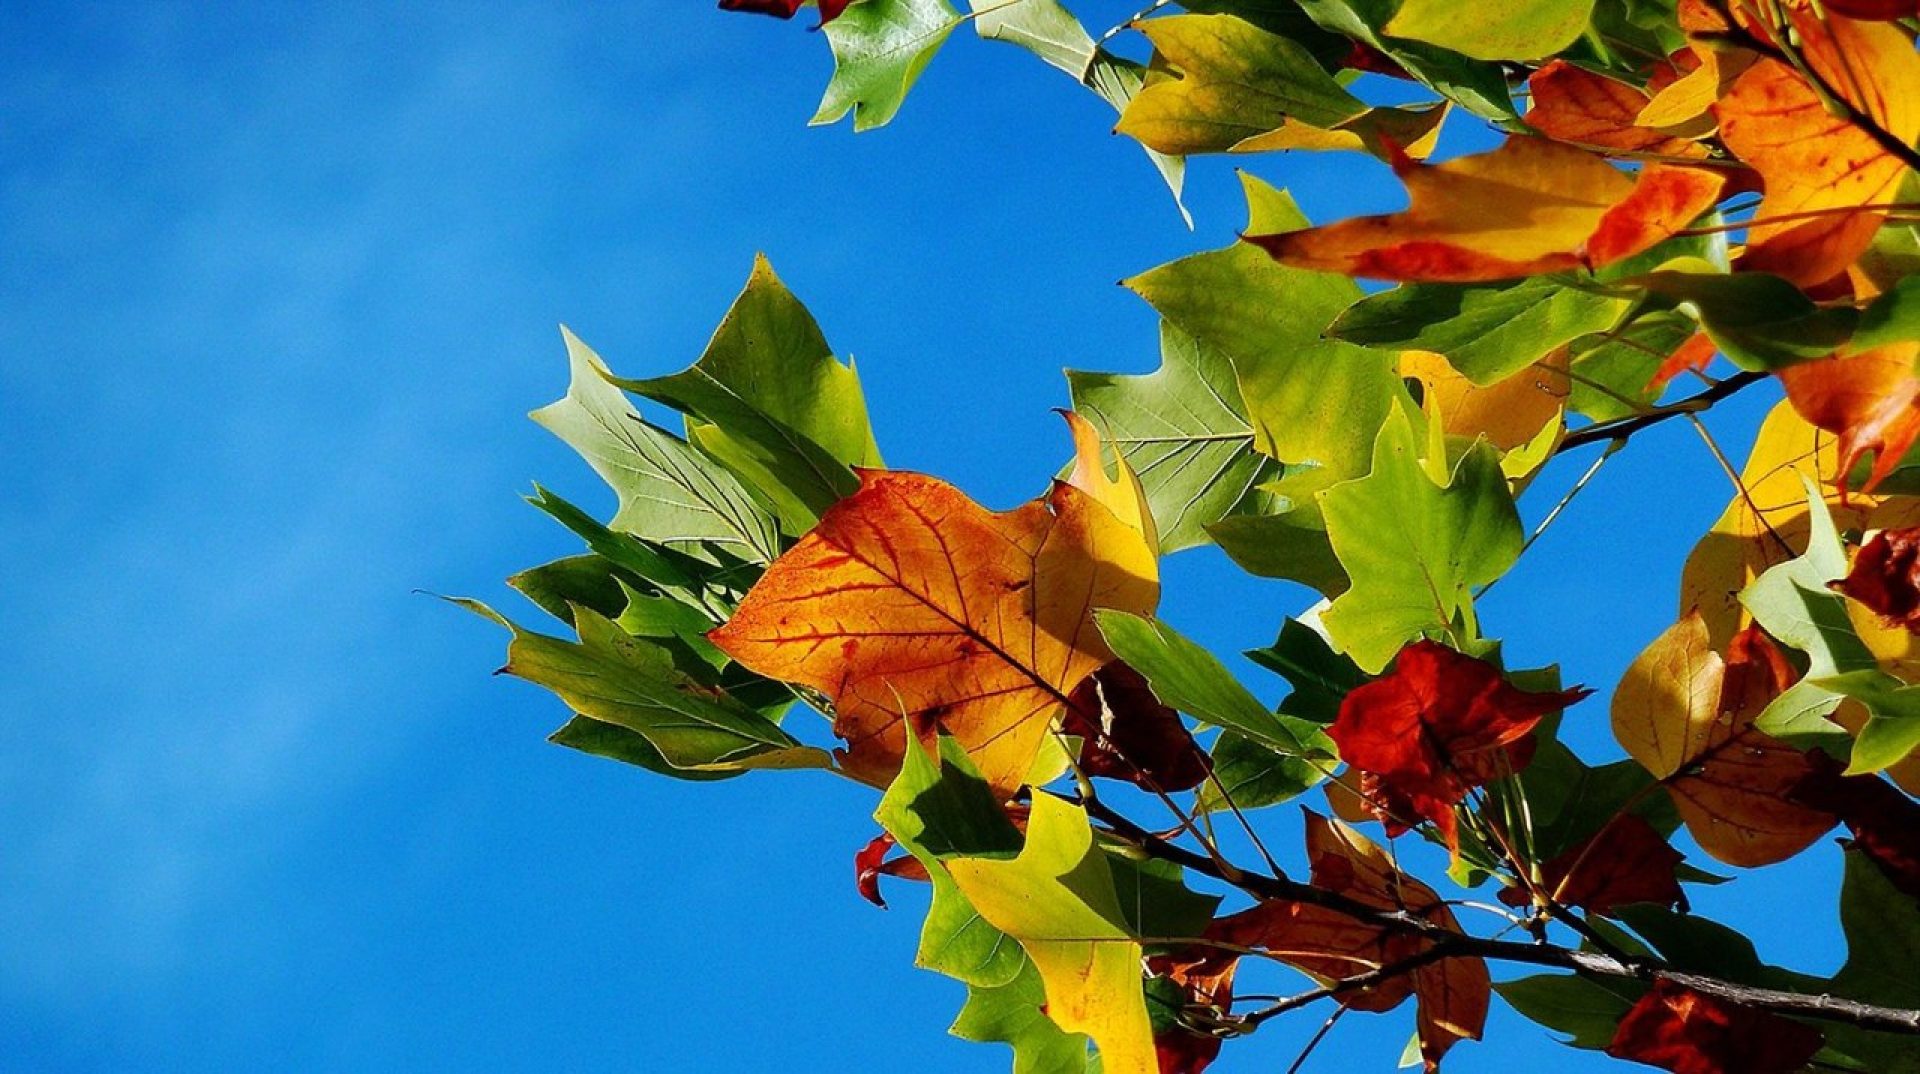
{"type": "Point", "coordinates": [786, 9]}
{"type": "Point", "coordinates": [1688, 1032]}
{"type": "Point", "coordinates": [1875, 10]}
{"type": "Point", "coordinates": [871, 862]}
{"type": "Point", "coordinates": [1884, 822]}
{"type": "Point", "coordinates": [1626, 862]}
{"type": "Point", "coordinates": [1886, 577]}
{"type": "Point", "coordinates": [1439, 724]}
{"type": "Point", "coordinates": [1205, 978]}
{"type": "Point", "coordinates": [1130, 735]}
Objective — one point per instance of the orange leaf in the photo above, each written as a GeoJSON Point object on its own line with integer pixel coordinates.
{"type": "Point", "coordinates": [1528, 207]}
{"type": "Point", "coordinates": [1571, 104]}
{"type": "Point", "coordinates": [1675, 1028]}
{"type": "Point", "coordinates": [1871, 400]}
{"type": "Point", "coordinates": [1696, 354]}
{"type": "Point", "coordinates": [1687, 716]}
{"type": "Point", "coordinates": [1812, 161]}
{"type": "Point", "coordinates": [911, 606]}
{"type": "Point", "coordinates": [1437, 725]}
{"type": "Point", "coordinates": [1329, 945]}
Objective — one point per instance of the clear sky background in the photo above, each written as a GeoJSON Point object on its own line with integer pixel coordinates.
{"type": "Point", "coordinates": [278, 284]}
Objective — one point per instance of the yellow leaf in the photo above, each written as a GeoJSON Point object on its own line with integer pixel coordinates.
{"type": "Point", "coordinates": [1509, 413]}
{"type": "Point", "coordinates": [1058, 900]}
{"type": "Point", "coordinates": [1686, 715]}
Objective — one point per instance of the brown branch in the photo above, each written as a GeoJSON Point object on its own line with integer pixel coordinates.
{"type": "Point", "coordinates": [1621, 428]}
{"type": "Point", "coordinates": [1448, 943]}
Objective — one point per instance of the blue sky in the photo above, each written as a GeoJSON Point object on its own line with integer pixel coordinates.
{"type": "Point", "coordinates": [279, 286]}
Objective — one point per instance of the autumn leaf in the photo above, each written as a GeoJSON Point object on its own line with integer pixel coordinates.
{"type": "Point", "coordinates": [911, 607]}
{"type": "Point", "coordinates": [786, 9]}
{"type": "Point", "coordinates": [870, 863]}
{"type": "Point", "coordinates": [1819, 168]}
{"type": "Point", "coordinates": [1687, 1032]}
{"type": "Point", "coordinates": [1509, 412]}
{"type": "Point", "coordinates": [1870, 400]}
{"type": "Point", "coordinates": [1687, 716]}
{"type": "Point", "coordinates": [1626, 862]}
{"type": "Point", "coordinates": [1528, 207]}
{"type": "Point", "coordinates": [1330, 946]}
{"type": "Point", "coordinates": [1436, 726]}
{"type": "Point", "coordinates": [1129, 735]}
{"type": "Point", "coordinates": [1574, 105]}
{"type": "Point", "coordinates": [1057, 899]}
{"type": "Point", "coordinates": [1885, 577]}
{"type": "Point", "coordinates": [1884, 823]}
{"type": "Point", "coordinates": [1695, 355]}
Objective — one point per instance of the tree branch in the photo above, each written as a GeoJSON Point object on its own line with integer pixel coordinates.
{"type": "Point", "coordinates": [1447, 943]}
{"type": "Point", "coordinates": [1621, 428]}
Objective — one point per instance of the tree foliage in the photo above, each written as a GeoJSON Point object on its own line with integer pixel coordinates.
{"type": "Point", "coordinates": [1697, 196]}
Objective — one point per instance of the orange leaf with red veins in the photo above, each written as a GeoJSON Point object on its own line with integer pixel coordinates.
{"type": "Point", "coordinates": [1437, 725]}
{"type": "Point", "coordinates": [1330, 946]}
{"type": "Point", "coordinates": [1687, 716]}
{"type": "Point", "coordinates": [1886, 577]}
{"type": "Point", "coordinates": [1129, 735]}
{"type": "Point", "coordinates": [1528, 207]}
{"type": "Point", "coordinates": [1627, 862]}
{"type": "Point", "coordinates": [912, 607]}
{"type": "Point", "coordinates": [1814, 162]}
{"type": "Point", "coordinates": [1871, 400]}
{"type": "Point", "coordinates": [1688, 1032]}
{"type": "Point", "coordinates": [1572, 104]}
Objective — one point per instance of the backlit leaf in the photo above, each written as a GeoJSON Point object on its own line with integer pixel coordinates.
{"type": "Point", "coordinates": [1493, 29]}
{"type": "Point", "coordinates": [879, 49]}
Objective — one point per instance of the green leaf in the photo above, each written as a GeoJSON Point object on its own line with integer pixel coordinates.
{"type": "Point", "coordinates": [1882, 926]}
{"type": "Point", "coordinates": [590, 580]}
{"type": "Point", "coordinates": [1320, 677]}
{"type": "Point", "coordinates": [940, 810]}
{"type": "Point", "coordinates": [769, 401]}
{"type": "Point", "coordinates": [1415, 540]}
{"type": "Point", "coordinates": [1187, 677]}
{"type": "Point", "coordinates": [1477, 86]}
{"type": "Point", "coordinates": [1183, 429]}
{"type": "Point", "coordinates": [1793, 602]}
{"type": "Point", "coordinates": [1154, 898]}
{"type": "Point", "coordinates": [637, 685]}
{"type": "Point", "coordinates": [668, 491]}
{"type": "Point", "coordinates": [1248, 775]}
{"type": "Point", "coordinates": [1488, 333]}
{"type": "Point", "coordinates": [1892, 317]}
{"type": "Point", "coordinates": [704, 582]}
{"type": "Point", "coordinates": [1494, 29]}
{"type": "Point", "coordinates": [1220, 81]}
{"type": "Point", "coordinates": [1612, 373]}
{"type": "Point", "coordinates": [1012, 1014]}
{"type": "Point", "coordinates": [1586, 1010]}
{"type": "Point", "coordinates": [1290, 543]}
{"type": "Point", "coordinates": [879, 49]}
{"type": "Point", "coordinates": [1892, 730]}
{"type": "Point", "coordinates": [1311, 401]}
{"type": "Point", "coordinates": [1758, 320]}
{"type": "Point", "coordinates": [616, 743]}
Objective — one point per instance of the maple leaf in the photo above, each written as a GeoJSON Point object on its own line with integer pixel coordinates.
{"type": "Point", "coordinates": [1818, 168]}
{"type": "Point", "coordinates": [1330, 946]}
{"type": "Point", "coordinates": [1129, 735]}
{"type": "Point", "coordinates": [1528, 207]}
{"type": "Point", "coordinates": [1871, 400]}
{"type": "Point", "coordinates": [1437, 725]}
{"type": "Point", "coordinates": [1687, 716]}
{"type": "Point", "coordinates": [1626, 862]}
{"type": "Point", "coordinates": [1687, 1032]}
{"type": "Point", "coordinates": [1509, 412]}
{"type": "Point", "coordinates": [1571, 104]}
{"type": "Point", "coordinates": [912, 607]}
{"type": "Point", "coordinates": [1885, 577]}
